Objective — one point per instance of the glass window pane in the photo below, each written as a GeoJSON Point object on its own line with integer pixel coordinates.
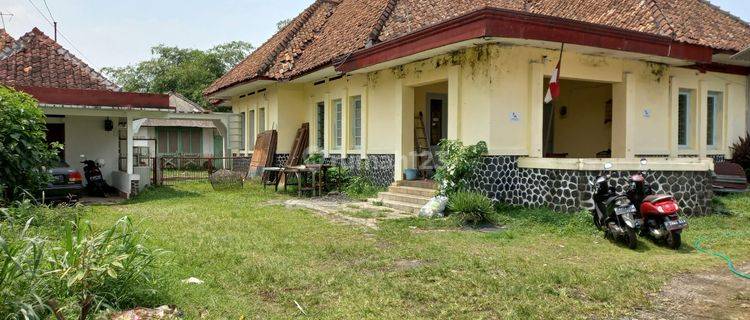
{"type": "Point", "coordinates": [251, 128]}
{"type": "Point", "coordinates": [710, 114]}
{"type": "Point", "coordinates": [261, 119]}
{"type": "Point", "coordinates": [356, 126]}
{"type": "Point", "coordinates": [243, 131]}
{"type": "Point", "coordinates": [337, 122]}
{"type": "Point", "coordinates": [321, 114]}
{"type": "Point", "coordinates": [683, 118]}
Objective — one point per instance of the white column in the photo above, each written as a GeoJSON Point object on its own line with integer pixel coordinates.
{"type": "Point", "coordinates": [702, 122]}
{"type": "Point", "coordinates": [327, 128]}
{"type": "Point", "coordinates": [129, 132]}
{"type": "Point", "coordinates": [674, 93]}
{"type": "Point", "coordinates": [536, 110]}
{"type": "Point", "coordinates": [364, 115]}
{"type": "Point", "coordinates": [454, 102]}
{"type": "Point", "coordinates": [345, 130]}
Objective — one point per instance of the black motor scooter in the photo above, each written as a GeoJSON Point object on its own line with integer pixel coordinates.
{"type": "Point", "coordinates": [95, 184]}
{"type": "Point", "coordinates": [613, 212]}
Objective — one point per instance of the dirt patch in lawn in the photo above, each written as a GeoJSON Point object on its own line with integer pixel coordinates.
{"type": "Point", "coordinates": [716, 294]}
{"type": "Point", "coordinates": [341, 209]}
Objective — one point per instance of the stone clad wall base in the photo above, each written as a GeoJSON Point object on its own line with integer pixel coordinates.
{"type": "Point", "coordinates": [379, 167]}
{"type": "Point", "coordinates": [500, 178]}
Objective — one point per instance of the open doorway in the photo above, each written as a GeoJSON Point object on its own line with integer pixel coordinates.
{"type": "Point", "coordinates": [579, 123]}
{"type": "Point", "coordinates": [430, 124]}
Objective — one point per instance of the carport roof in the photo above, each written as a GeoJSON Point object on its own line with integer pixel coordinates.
{"type": "Point", "coordinates": [41, 67]}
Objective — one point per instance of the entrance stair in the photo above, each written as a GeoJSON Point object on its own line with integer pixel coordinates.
{"type": "Point", "coordinates": [407, 196]}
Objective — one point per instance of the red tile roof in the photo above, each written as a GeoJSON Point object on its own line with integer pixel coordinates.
{"type": "Point", "coordinates": [35, 60]}
{"type": "Point", "coordinates": [327, 31]}
{"type": "Point", "coordinates": [5, 39]}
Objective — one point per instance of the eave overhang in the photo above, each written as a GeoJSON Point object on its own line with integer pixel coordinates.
{"type": "Point", "coordinates": [98, 98]}
{"type": "Point", "coordinates": [495, 22]}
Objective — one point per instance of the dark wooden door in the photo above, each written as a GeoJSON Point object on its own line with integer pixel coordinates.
{"type": "Point", "coordinates": [436, 121]}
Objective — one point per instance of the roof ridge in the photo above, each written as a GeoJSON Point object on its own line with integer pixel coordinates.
{"type": "Point", "coordinates": [25, 40]}
{"type": "Point", "coordinates": [664, 17]}
{"type": "Point", "coordinates": [295, 27]}
{"type": "Point", "coordinates": [388, 9]}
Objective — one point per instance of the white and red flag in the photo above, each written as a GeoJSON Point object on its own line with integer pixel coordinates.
{"type": "Point", "coordinates": [554, 82]}
{"type": "Point", "coordinates": [554, 85]}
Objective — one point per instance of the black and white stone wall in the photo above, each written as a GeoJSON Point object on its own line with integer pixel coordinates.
{"type": "Point", "coordinates": [500, 178]}
{"type": "Point", "coordinates": [382, 168]}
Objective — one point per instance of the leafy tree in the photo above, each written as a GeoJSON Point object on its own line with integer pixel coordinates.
{"type": "Point", "coordinates": [283, 23]}
{"type": "Point", "coordinates": [24, 151]}
{"type": "Point", "coordinates": [185, 71]}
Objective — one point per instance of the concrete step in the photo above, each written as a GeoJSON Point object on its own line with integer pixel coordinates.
{"type": "Point", "coordinates": [398, 205]}
{"type": "Point", "coordinates": [424, 184]}
{"type": "Point", "coordinates": [421, 192]}
{"type": "Point", "coordinates": [402, 197]}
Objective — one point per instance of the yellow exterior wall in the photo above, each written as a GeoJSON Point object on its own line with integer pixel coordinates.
{"type": "Point", "coordinates": [495, 95]}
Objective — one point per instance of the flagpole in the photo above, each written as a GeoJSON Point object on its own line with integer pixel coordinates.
{"type": "Point", "coordinates": [552, 106]}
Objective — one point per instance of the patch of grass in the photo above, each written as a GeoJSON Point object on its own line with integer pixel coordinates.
{"type": "Point", "coordinates": [365, 214]}
{"type": "Point", "coordinates": [257, 260]}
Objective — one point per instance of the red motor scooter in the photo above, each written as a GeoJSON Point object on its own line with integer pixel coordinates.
{"type": "Point", "coordinates": [660, 212]}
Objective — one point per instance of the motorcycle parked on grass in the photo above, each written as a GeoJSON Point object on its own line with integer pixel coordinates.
{"type": "Point", "coordinates": [660, 212]}
{"type": "Point", "coordinates": [613, 212]}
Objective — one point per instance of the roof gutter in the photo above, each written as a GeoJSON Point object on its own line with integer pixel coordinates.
{"type": "Point", "coordinates": [496, 22]}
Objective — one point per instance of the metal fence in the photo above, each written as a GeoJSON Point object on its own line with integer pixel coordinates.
{"type": "Point", "coordinates": [181, 168]}
{"type": "Point", "coordinates": [146, 167]}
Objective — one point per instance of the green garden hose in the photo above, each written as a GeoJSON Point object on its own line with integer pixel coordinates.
{"type": "Point", "coordinates": [723, 256]}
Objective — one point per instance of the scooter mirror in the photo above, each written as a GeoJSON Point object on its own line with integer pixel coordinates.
{"type": "Point", "coordinates": [608, 166]}
{"type": "Point", "coordinates": [644, 162]}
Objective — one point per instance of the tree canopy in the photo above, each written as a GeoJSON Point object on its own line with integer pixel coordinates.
{"type": "Point", "coordinates": [24, 151]}
{"type": "Point", "coordinates": [185, 71]}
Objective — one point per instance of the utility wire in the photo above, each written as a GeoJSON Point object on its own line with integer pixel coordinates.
{"type": "Point", "coordinates": [48, 10]}
{"type": "Point", "coordinates": [58, 31]}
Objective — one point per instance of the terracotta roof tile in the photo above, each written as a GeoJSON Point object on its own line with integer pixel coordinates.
{"type": "Point", "coordinates": [5, 39]}
{"type": "Point", "coordinates": [329, 30]}
{"type": "Point", "coordinates": [38, 61]}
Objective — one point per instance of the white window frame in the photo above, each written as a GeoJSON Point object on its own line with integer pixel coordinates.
{"type": "Point", "coordinates": [718, 119]}
{"type": "Point", "coordinates": [355, 112]}
{"type": "Point", "coordinates": [689, 119]}
{"type": "Point", "coordinates": [320, 130]}
{"type": "Point", "coordinates": [243, 131]}
{"type": "Point", "coordinates": [251, 129]}
{"type": "Point", "coordinates": [261, 119]}
{"type": "Point", "coordinates": [337, 125]}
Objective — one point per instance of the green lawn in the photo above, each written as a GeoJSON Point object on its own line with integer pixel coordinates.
{"type": "Point", "coordinates": [258, 260]}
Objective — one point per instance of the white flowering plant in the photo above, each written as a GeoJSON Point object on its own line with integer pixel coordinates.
{"type": "Point", "coordinates": [458, 164]}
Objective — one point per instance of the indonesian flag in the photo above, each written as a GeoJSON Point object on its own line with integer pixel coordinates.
{"type": "Point", "coordinates": [554, 85]}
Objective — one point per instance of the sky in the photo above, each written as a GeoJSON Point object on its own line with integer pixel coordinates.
{"type": "Point", "coordinates": [111, 33]}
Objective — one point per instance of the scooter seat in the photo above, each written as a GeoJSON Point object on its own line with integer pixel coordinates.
{"type": "Point", "coordinates": [658, 198]}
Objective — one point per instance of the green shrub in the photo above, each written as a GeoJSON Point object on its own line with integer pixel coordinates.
{"type": "Point", "coordinates": [21, 259]}
{"type": "Point", "coordinates": [41, 215]}
{"type": "Point", "coordinates": [24, 151]}
{"type": "Point", "coordinates": [741, 153]}
{"type": "Point", "coordinates": [314, 158]}
{"type": "Point", "coordinates": [471, 207]}
{"type": "Point", "coordinates": [110, 268]}
{"type": "Point", "coordinates": [458, 164]}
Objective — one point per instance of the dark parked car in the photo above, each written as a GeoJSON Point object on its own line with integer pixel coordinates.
{"type": "Point", "coordinates": [66, 184]}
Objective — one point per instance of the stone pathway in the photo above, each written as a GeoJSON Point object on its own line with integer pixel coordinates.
{"type": "Point", "coordinates": [341, 209]}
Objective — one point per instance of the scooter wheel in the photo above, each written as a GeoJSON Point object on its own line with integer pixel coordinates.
{"type": "Point", "coordinates": [632, 239]}
{"type": "Point", "coordinates": [674, 240]}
